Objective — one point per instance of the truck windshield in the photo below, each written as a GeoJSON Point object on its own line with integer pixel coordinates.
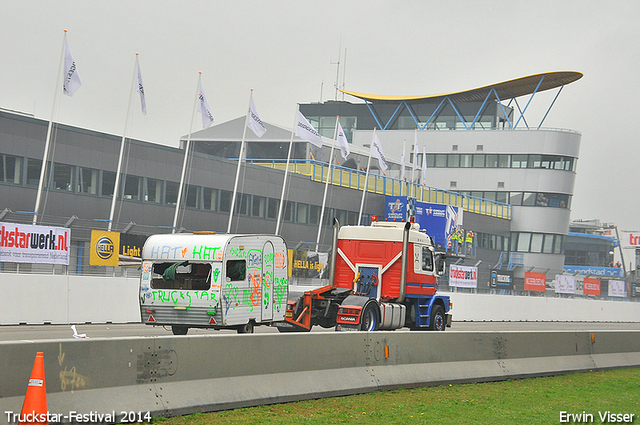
{"type": "Point", "coordinates": [181, 275]}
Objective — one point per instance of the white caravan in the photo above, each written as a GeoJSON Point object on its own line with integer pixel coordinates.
{"type": "Point", "coordinates": [204, 280]}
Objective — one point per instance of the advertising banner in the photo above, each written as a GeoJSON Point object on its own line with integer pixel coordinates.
{"type": "Point", "coordinates": [308, 264]}
{"type": "Point", "coordinates": [565, 284]}
{"type": "Point", "coordinates": [438, 220]}
{"type": "Point", "coordinates": [535, 281]}
{"type": "Point", "coordinates": [501, 279]}
{"type": "Point", "coordinates": [395, 208]}
{"type": "Point", "coordinates": [591, 286]}
{"type": "Point", "coordinates": [104, 248]}
{"type": "Point", "coordinates": [595, 271]}
{"type": "Point", "coordinates": [629, 239]}
{"type": "Point", "coordinates": [617, 288]}
{"type": "Point", "coordinates": [25, 243]}
{"type": "Point", "coordinates": [131, 249]}
{"type": "Point", "coordinates": [463, 276]}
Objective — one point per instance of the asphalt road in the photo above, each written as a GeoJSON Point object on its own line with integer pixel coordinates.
{"type": "Point", "coordinates": [42, 332]}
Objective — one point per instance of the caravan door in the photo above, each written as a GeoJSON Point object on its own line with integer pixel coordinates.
{"type": "Point", "coordinates": [267, 281]}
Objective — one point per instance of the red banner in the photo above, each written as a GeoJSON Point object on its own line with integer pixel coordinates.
{"type": "Point", "coordinates": [535, 281]}
{"type": "Point", "coordinates": [591, 286]}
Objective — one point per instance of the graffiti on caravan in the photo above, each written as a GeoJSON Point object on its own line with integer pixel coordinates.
{"type": "Point", "coordinates": [25, 243]}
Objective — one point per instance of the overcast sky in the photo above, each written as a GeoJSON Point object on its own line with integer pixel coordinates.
{"type": "Point", "coordinates": [285, 51]}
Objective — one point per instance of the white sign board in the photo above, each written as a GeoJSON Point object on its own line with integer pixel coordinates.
{"type": "Point", "coordinates": [25, 243]}
{"type": "Point", "coordinates": [463, 276]}
{"type": "Point", "coordinates": [617, 288]}
{"type": "Point", "coordinates": [565, 284]}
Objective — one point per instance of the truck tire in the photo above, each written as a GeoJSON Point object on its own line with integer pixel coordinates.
{"type": "Point", "coordinates": [179, 330]}
{"type": "Point", "coordinates": [437, 321]}
{"type": "Point", "coordinates": [370, 317]}
{"type": "Point", "coordinates": [245, 329]}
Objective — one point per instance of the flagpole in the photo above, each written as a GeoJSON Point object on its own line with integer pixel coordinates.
{"type": "Point", "coordinates": [415, 161]}
{"type": "Point", "coordinates": [402, 171]}
{"type": "Point", "coordinates": [186, 156]}
{"type": "Point", "coordinates": [235, 185]}
{"type": "Point", "coordinates": [366, 178]}
{"type": "Point", "coordinates": [124, 136]}
{"type": "Point", "coordinates": [326, 184]}
{"type": "Point", "coordinates": [48, 139]}
{"type": "Point", "coordinates": [286, 170]}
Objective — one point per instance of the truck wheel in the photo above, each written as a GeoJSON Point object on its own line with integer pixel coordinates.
{"type": "Point", "coordinates": [369, 321]}
{"type": "Point", "coordinates": [179, 330]}
{"type": "Point", "coordinates": [245, 329]}
{"type": "Point", "coordinates": [437, 320]}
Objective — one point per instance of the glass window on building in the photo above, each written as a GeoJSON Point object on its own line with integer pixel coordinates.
{"type": "Point", "coordinates": [108, 183]}
{"type": "Point", "coordinates": [519, 161]}
{"type": "Point", "coordinates": [225, 201]}
{"type": "Point", "coordinates": [547, 247]}
{"type": "Point", "coordinates": [453, 161]}
{"type": "Point", "coordinates": [272, 209]}
{"type": "Point", "coordinates": [504, 161]}
{"type": "Point", "coordinates": [535, 161]}
{"type": "Point", "coordinates": [491, 161]}
{"type": "Point", "coordinates": [341, 215]}
{"type": "Point", "coordinates": [536, 242]}
{"type": "Point", "coordinates": [314, 214]}
{"type": "Point", "coordinates": [33, 171]}
{"type": "Point", "coordinates": [171, 196]}
{"type": "Point", "coordinates": [568, 164]}
{"type": "Point", "coordinates": [441, 160]}
{"type": "Point", "coordinates": [529, 199]}
{"type": "Point", "coordinates": [242, 203]}
{"type": "Point", "coordinates": [132, 188]}
{"type": "Point", "coordinates": [466, 160]}
{"type": "Point", "coordinates": [515, 198]}
{"type": "Point", "coordinates": [153, 191]}
{"type": "Point", "coordinates": [289, 211]}
{"type": "Point", "coordinates": [87, 181]}
{"type": "Point", "coordinates": [524, 239]}
{"type": "Point", "coordinates": [259, 206]}
{"type": "Point", "coordinates": [192, 198]}
{"type": "Point", "coordinates": [431, 160]}
{"type": "Point", "coordinates": [329, 214]}
{"type": "Point", "coordinates": [62, 177]}
{"type": "Point", "coordinates": [302, 213]}
{"type": "Point", "coordinates": [10, 169]}
{"type": "Point", "coordinates": [478, 161]}
{"type": "Point", "coordinates": [542, 200]}
{"type": "Point", "coordinates": [352, 217]}
{"type": "Point", "coordinates": [559, 244]}
{"type": "Point", "coordinates": [502, 197]}
{"type": "Point", "coordinates": [210, 198]}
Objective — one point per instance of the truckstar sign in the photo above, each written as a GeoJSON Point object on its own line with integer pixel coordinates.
{"type": "Point", "coordinates": [24, 243]}
{"type": "Point", "coordinates": [463, 276]}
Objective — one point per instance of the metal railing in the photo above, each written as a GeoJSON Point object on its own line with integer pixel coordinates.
{"type": "Point", "coordinates": [390, 186]}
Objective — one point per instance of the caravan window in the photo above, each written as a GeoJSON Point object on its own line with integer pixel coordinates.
{"type": "Point", "coordinates": [236, 270]}
{"type": "Point", "coordinates": [184, 275]}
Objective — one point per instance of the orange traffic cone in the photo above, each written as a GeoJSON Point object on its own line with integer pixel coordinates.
{"type": "Point", "coordinates": [34, 408]}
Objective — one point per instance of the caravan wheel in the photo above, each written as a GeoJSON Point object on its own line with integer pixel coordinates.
{"type": "Point", "coordinates": [245, 329]}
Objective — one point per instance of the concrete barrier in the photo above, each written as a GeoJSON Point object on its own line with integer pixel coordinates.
{"type": "Point", "coordinates": [179, 375]}
{"type": "Point", "coordinates": [64, 299]}
{"type": "Point", "coordinates": [513, 308]}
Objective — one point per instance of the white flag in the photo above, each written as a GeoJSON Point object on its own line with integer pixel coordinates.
{"type": "Point", "coordinates": [71, 77]}
{"type": "Point", "coordinates": [203, 108]}
{"type": "Point", "coordinates": [377, 151]}
{"type": "Point", "coordinates": [424, 165]}
{"type": "Point", "coordinates": [305, 130]}
{"type": "Point", "coordinates": [254, 122]}
{"type": "Point", "coordinates": [342, 142]}
{"type": "Point", "coordinates": [140, 89]}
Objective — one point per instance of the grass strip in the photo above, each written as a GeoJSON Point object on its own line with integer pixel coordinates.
{"type": "Point", "coordinates": [522, 401]}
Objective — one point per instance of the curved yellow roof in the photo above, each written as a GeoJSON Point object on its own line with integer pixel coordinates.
{"type": "Point", "coordinates": [506, 90]}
